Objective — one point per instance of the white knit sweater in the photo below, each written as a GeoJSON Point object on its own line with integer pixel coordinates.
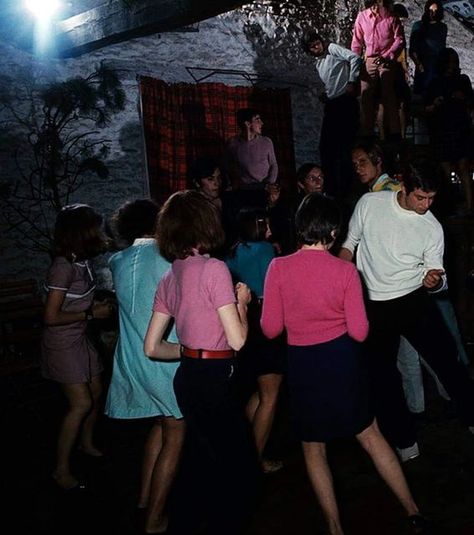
{"type": "Point", "coordinates": [396, 247]}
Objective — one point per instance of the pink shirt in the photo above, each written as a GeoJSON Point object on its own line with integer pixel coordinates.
{"type": "Point", "coordinates": [378, 35]}
{"type": "Point", "coordinates": [315, 296]}
{"type": "Point", "coordinates": [192, 291]}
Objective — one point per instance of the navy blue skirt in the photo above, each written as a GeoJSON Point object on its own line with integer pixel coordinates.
{"type": "Point", "coordinates": [328, 389]}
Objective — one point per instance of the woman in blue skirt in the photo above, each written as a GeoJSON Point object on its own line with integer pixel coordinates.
{"type": "Point", "coordinates": [318, 299]}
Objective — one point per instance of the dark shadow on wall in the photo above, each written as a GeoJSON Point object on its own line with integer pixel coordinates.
{"type": "Point", "coordinates": [127, 172]}
{"type": "Point", "coordinates": [279, 57]}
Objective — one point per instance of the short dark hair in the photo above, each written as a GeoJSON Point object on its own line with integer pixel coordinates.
{"type": "Point", "coordinates": [400, 11]}
{"type": "Point", "coordinates": [201, 168]}
{"type": "Point", "coordinates": [245, 114]}
{"type": "Point", "coordinates": [422, 174]}
{"type": "Point", "coordinates": [318, 219]}
{"type": "Point", "coordinates": [425, 19]}
{"type": "Point", "coordinates": [188, 221]}
{"type": "Point", "coordinates": [251, 223]}
{"type": "Point", "coordinates": [372, 148]}
{"type": "Point", "coordinates": [309, 37]}
{"type": "Point", "coordinates": [77, 233]}
{"type": "Point", "coordinates": [135, 219]}
{"type": "Point", "coordinates": [304, 169]}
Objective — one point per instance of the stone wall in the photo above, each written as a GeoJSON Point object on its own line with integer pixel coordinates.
{"type": "Point", "coordinates": [262, 37]}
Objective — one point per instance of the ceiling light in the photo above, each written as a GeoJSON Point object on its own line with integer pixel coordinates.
{"type": "Point", "coordinates": [42, 9]}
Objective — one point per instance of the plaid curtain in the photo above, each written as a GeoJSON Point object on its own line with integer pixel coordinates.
{"type": "Point", "coordinates": [184, 121]}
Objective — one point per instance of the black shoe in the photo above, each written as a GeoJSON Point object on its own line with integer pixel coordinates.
{"type": "Point", "coordinates": [419, 524]}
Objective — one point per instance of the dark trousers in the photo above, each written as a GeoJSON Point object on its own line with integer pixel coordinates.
{"type": "Point", "coordinates": [340, 125]}
{"type": "Point", "coordinates": [218, 477]}
{"type": "Point", "coordinates": [416, 317]}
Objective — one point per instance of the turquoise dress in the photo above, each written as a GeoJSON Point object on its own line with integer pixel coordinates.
{"type": "Point", "coordinates": [250, 264]}
{"type": "Point", "coordinates": [140, 387]}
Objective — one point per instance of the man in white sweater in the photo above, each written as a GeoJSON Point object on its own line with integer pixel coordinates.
{"type": "Point", "coordinates": [400, 256]}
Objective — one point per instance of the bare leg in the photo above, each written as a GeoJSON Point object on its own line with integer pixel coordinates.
{"type": "Point", "coordinates": [87, 434]}
{"type": "Point", "coordinates": [321, 481]}
{"type": "Point", "coordinates": [151, 452]}
{"type": "Point", "coordinates": [261, 408]}
{"type": "Point", "coordinates": [387, 465]}
{"type": "Point", "coordinates": [163, 474]}
{"type": "Point", "coordinates": [369, 77]}
{"type": "Point", "coordinates": [389, 100]}
{"type": "Point", "coordinates": [80, 404]}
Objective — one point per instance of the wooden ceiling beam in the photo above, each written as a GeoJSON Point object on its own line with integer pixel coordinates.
{"type": "Point", "coordinates": [114, 22]}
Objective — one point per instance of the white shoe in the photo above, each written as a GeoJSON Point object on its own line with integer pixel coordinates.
{"type": "Point", "coordinates": [407, 454]}
{"type": "Point", "coordinates": [471, 429]}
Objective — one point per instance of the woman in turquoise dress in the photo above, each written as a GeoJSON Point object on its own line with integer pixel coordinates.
{"type": "Point", "coordinates": [261, 360]}
{"type": "Point", "coordinates": [141, 387]}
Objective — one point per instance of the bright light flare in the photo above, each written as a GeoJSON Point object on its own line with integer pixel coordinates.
{"type": "Point", "coordinates": [43, 9]}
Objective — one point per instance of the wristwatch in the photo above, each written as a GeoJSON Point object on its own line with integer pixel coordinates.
{"type": "Point", "coordinates": [89, 314]}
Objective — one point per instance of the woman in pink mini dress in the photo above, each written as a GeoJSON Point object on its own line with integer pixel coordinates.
{"type": "Point", "coordinates": [68, 356]}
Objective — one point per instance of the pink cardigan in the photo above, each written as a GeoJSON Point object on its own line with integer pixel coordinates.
{"type": "Point", "coordinates": [315, 296]}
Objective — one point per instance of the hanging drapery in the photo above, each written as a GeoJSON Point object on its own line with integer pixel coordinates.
{"type": "Point", "coordinates": [184, 121]}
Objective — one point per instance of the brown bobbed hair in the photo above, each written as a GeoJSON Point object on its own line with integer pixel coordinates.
{"type": "Point", "coordinates": [78, 234]}
{"type": "Point", "coordinates": [188, 221]}
{"type": "Point", "coordinates": [135, 219]}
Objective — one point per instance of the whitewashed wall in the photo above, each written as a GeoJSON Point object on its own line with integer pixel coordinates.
{"type": "Point", "coordinates": [262, 37]}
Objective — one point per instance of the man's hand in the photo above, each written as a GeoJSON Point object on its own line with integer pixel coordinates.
{"type": "Point", "coordinates": [433, 279]}
{"type": "Point", "coordinates": [345, 254]}
{"type": "Point", "coordinates": [381, 61]}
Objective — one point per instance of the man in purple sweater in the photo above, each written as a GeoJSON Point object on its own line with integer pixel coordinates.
{"type": "Point", "coordinates": [252, 163]}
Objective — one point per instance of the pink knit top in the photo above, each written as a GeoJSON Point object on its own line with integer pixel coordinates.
{"type": "Point", "coordinates": [315, 296]}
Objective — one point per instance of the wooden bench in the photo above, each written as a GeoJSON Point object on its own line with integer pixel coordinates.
{"type": "Point", "coordinates": [21, 310]}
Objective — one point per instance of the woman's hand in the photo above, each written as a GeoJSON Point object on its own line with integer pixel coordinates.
{"type": "Point", "coordinates": [242, 291]}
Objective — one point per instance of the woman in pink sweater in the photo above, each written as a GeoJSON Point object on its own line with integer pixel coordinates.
{"type": "Point", "coordinates": [318, 299]}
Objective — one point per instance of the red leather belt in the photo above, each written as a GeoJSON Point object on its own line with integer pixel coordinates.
{"type": "Point", "coordinates": [207, 354]}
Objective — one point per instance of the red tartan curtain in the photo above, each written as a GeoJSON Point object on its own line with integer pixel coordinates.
{"type": "Point", "coordinates": [184, 121]}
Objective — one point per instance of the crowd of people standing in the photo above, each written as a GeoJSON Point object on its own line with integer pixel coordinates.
{"type": "Point", "coordinates": [234, 285]}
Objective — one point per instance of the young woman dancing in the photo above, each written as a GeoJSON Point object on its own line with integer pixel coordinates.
{"type": "Point", "coordinates": [317, 298]}
{"type": "Point", "coordinates": [211, 324]}
{"type": "Point", "coordinates": [68, 356]}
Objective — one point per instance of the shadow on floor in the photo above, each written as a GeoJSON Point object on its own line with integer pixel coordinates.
{"type": "Point", "coordinates": [442, 478]}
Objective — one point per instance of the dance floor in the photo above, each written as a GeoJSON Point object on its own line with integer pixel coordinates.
{"type": "Point", "coordinates": [442, 478]}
